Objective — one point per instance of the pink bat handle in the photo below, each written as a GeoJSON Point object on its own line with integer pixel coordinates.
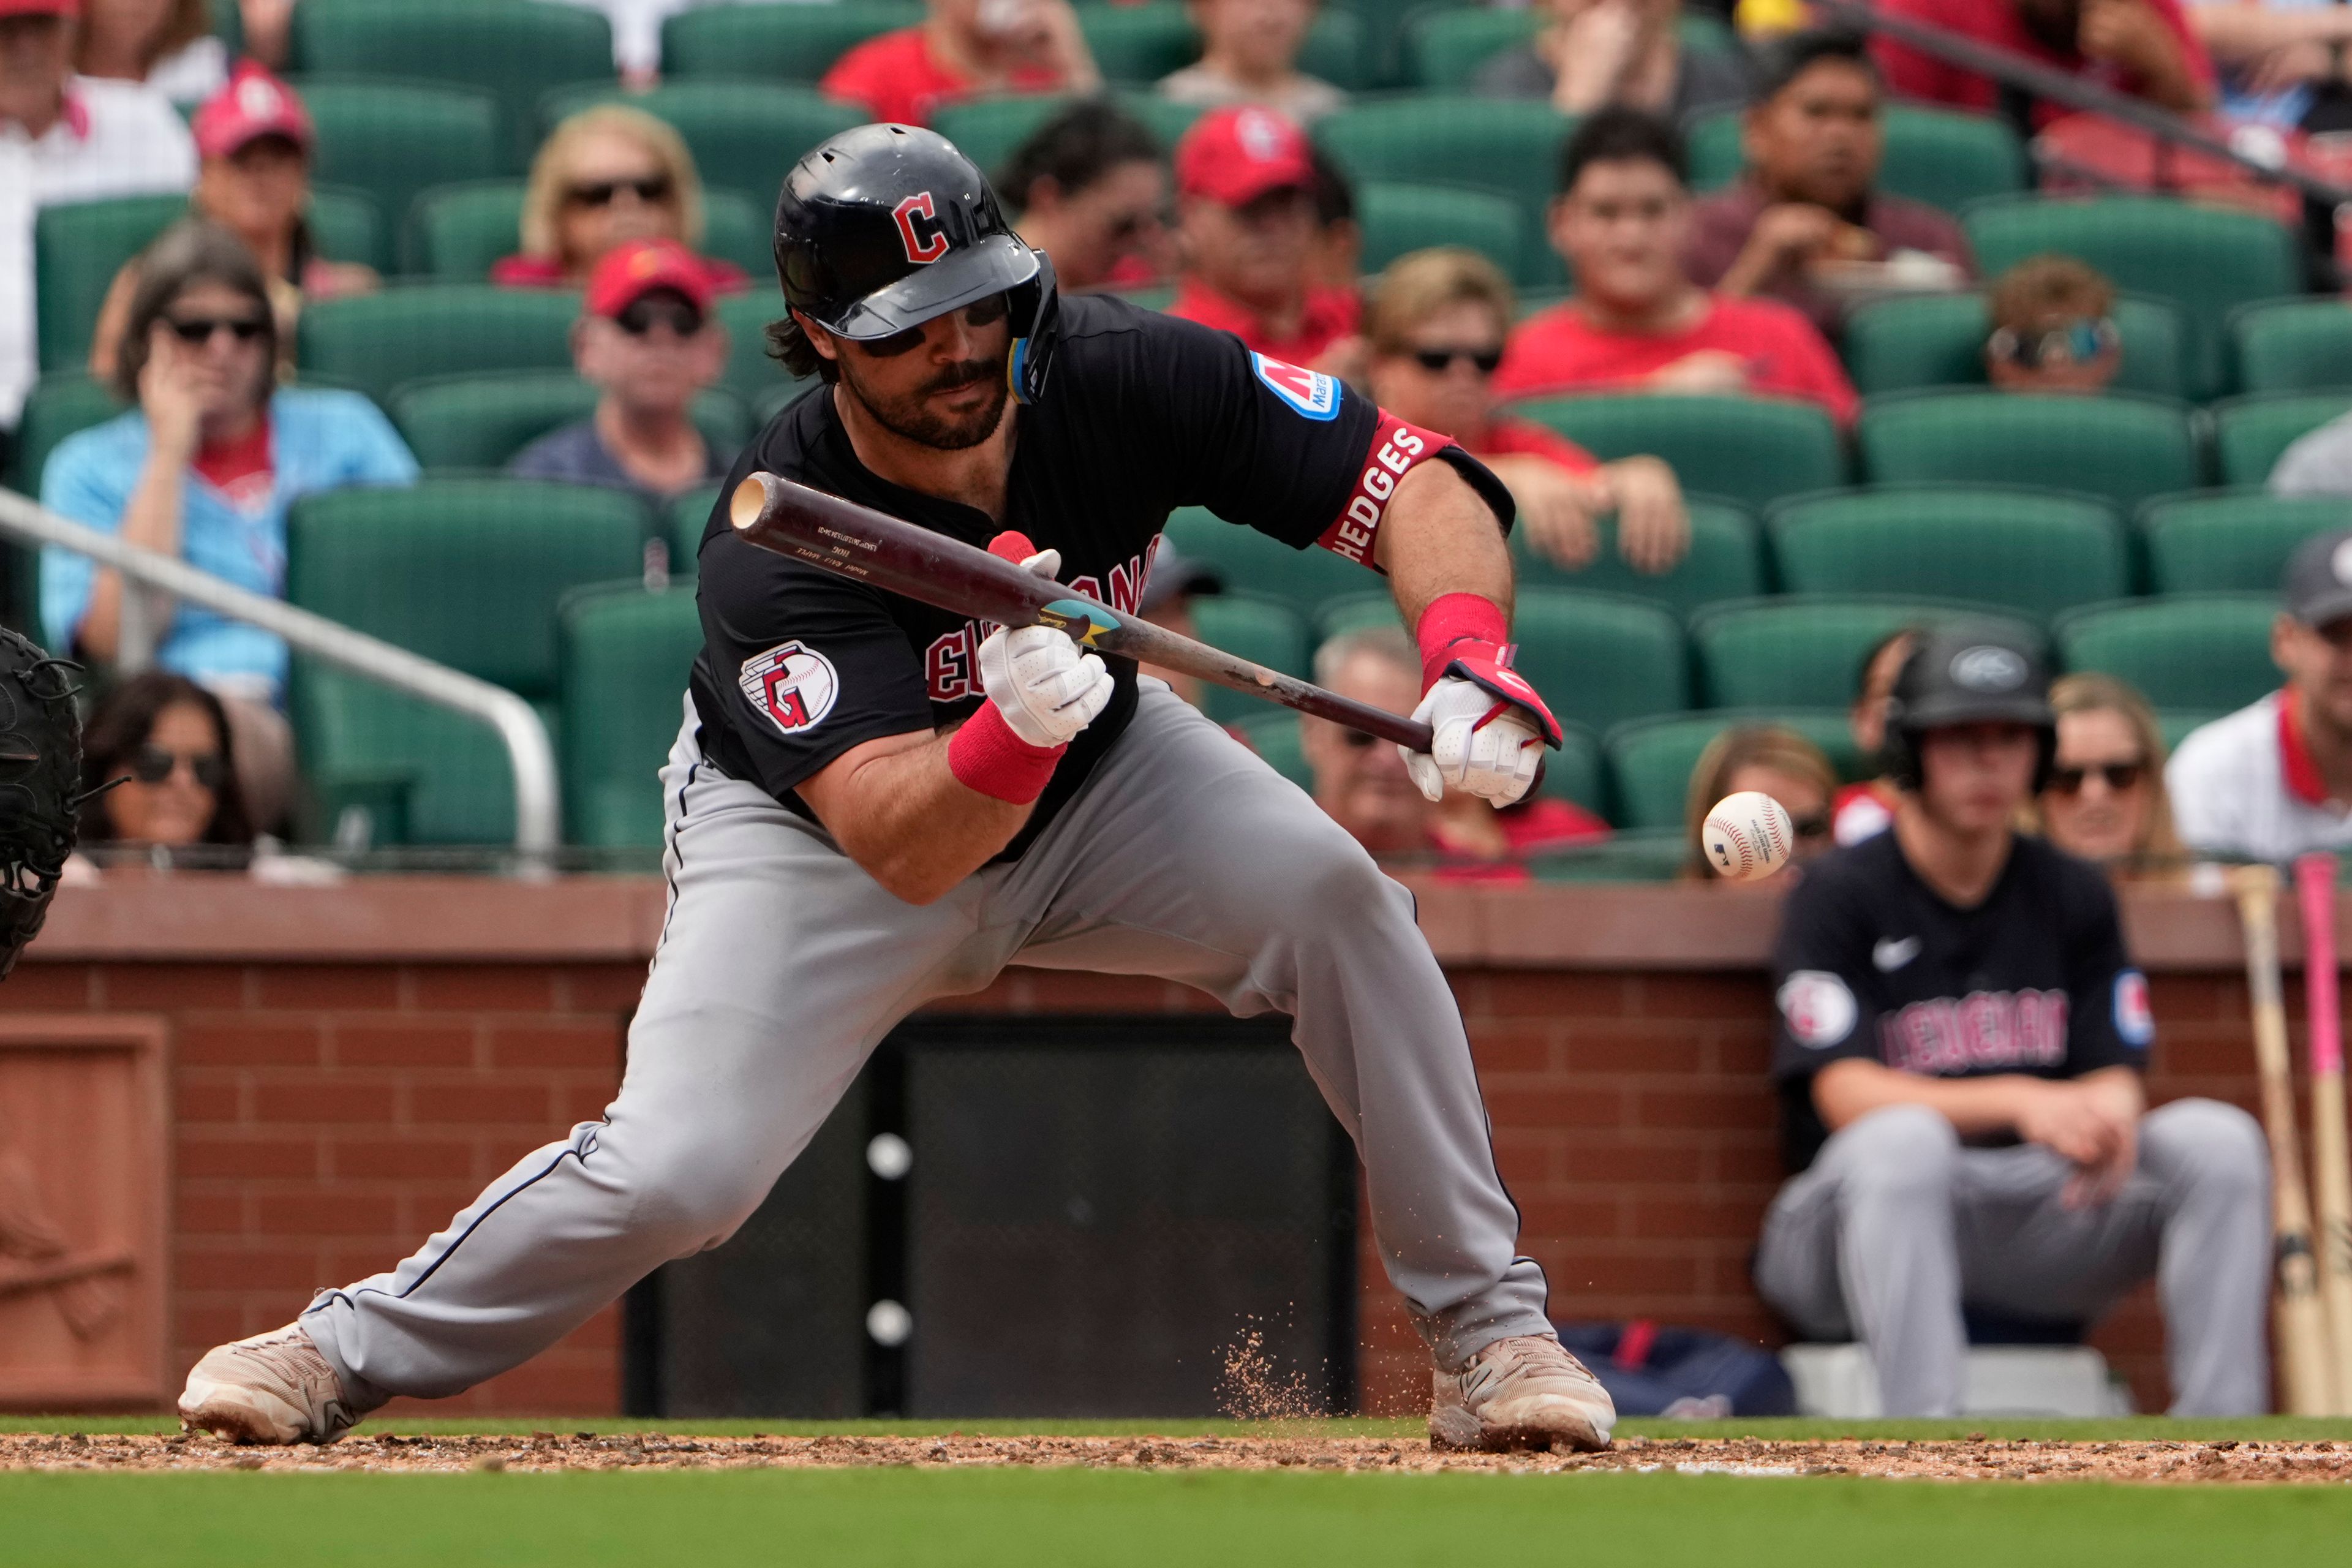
{"type": "Point", "coordinates": [2315, 880]}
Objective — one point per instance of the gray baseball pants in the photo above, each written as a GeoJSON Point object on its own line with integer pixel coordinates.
{"type": "Point", "coordinates": [782, 965]}
{"type": "Point", "coordinates": [1895, 1224]}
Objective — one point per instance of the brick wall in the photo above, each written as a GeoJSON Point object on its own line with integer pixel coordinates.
{"type": "Point", "coordinates": [331, 1112]}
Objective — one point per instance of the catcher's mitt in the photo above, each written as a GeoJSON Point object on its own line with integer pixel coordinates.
{"type": "Point", "coordinates": [40, 781]}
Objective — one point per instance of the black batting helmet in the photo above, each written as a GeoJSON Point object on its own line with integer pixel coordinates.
{"type": "Point", "coordinates": [883, 227]}
{"type": "Point", "coordinates": [1968, 673]}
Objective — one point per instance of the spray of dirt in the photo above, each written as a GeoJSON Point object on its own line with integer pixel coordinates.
{"type": "Point", "coordinates": [1251, 1387]}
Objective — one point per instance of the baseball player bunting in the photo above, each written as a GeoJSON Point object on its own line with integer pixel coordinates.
{"type": "Point", "coordinates": [851, 836]}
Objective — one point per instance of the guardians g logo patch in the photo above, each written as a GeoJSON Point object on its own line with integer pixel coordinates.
{"type": "Point", "coordinates": [794, 686]}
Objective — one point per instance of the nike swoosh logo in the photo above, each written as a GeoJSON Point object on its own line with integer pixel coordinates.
{"type": "Point", "coordinates": [1891, 955]}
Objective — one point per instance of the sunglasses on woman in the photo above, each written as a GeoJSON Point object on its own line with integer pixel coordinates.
{"type": "Point", "coordinates": [195, 331]}
{"type": "Point", "coordinates": [649, 189]}
{"type": "Point", "coordinates": [153, 764]}
{"type": "Point", "coordinates": [2119, 776]}
{"type": "Point", "coordinates": [1437, 361]}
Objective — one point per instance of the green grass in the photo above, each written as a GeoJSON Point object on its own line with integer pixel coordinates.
{"type": "Point", "coordinates": [1028, 1519]}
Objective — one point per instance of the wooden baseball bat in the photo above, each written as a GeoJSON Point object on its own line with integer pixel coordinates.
{"type": "Point", "coordinates": [869, 546]}
{"type": "Point", "coordinates": [2299, 1331]}
{"type": "Point", "coordinates": [2331, 1166]}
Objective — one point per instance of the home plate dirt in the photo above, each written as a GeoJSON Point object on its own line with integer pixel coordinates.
{"type": "Point", "coordinates": [1978, 1460]}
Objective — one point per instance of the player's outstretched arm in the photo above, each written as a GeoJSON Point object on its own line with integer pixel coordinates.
{"type": "Point", "coordinates": [1439, 537]}
{"type": "Point", "coordinates": [896, 807]}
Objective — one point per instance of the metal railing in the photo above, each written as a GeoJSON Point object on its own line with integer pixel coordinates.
{"type": "Point", "coordinates": [537, 801]}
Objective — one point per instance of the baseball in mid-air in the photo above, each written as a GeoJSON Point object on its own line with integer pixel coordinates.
{"type": "Point", "coordinates": [1746, 835]}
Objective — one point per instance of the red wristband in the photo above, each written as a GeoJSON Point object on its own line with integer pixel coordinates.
{"type": "Point", "coordinates": [1451, 619]}
{"type": "Point", "coordinates": [986, 756]}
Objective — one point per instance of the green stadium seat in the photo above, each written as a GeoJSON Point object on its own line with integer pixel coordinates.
{"type": "Point", "coordinates": [2207, 259]}
{"type": "Point", "coordinates": [1334, 50]}
{"type": "Point", "coordinates": [1801, 651]}
{"type": "Point", "coordinates": [1934, 155]}
{"type": "Point", "coordinates": [623, 659]}
{"type": "Point", "coordinates": [2293, 345]}
{"type": "Point", "coordinates": [466, 572]}
{"type": "Point", "coordinates": [2250, 433]}
{"type": "Point", "coordinates": [457, 233]}
{"type": "Point", "coordinates": [2178, 724]}
{"type": "Point", "coordinates": [2210, 651]}
{"type": "Point", "coordinates": [1509, 146]}
{"type": "Point", "coordinates": [77, 248]}
{"type": "Point", "coordinates": [1598, 659]}
{"type": "Point", "coordinates": [1399, 219]}
{"type": "Point", "coordinates": [1276, 738]}
{"type": "Point", "coordinates": [1926, 341]}
{"type": "Point", "coordinates": [57, 405]}
{"type": "Point", "coordinates": [989, 130]}
{"type": "Point", "coordinates": [394, 139]}
{"type": "Point", "coordinates": [775, 42]}
{"type": "Point", "coordinates": [1651, 760]}
{"type": "Point", "coordinates": [1753, 450]}
{"type": "Point", "coordinates": [682, 522]}
{"type": "Point", "coordinates": [376, 341]}
{"type": "Point", "coordinates": [744, 135]}
{"type": "Point", "coordinates": [750, 370]}
{"type": "Point", "coordinates": [482, 421]}
{"type": "Point", "coordinates": [515, 53]}
{"type": "Point", "coordinates": [1726, 561]}
{"type": "Point", "coordinates": [1252, 563]}
{"type": "Point", "coordinates": [2231, 541]}
{"type": "Point", "coordinates": [1138, 45]}
{"type": "Point", "coordinates": [2030, 552]}
{"type": "Point", "coordinates": [1444, 47]}
{"type": "Point", "coordinates": [2122, 447]}
{"type": "Point", "coordinates": [1264, 631]}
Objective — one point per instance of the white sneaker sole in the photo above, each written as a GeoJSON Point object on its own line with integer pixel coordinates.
{"type": "Point", "coordinates": [1454, 1428]}
{"type": "Point", "coordinates": [240, 1413]}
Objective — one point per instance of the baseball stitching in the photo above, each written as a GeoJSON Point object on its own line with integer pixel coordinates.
{"type": "Point", "coordinates": [1730, 831]}
{"type": "Point", "coordinates": [1772, 831]}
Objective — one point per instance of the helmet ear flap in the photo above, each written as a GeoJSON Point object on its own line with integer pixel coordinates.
{"type": "Point", "coordinates": [1038, 319]}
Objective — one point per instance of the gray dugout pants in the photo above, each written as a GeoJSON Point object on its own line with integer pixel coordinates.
{"type": "Point", "coordinates": [1896, 1224]}
{"type": "Point", "coordinates": [783, 964]}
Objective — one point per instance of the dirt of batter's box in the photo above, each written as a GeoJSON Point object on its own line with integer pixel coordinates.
{"type": "Point", "coordinates": [1978, 1460]}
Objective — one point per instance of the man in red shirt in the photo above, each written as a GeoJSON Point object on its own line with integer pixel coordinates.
{"type": "Point", "coordinates": [1638, 323]}
{"type": "Point", "coordinates": [963, 50]}
{"type": "Point", "coordinates": [2144, 48]}
{"type": "Point", "coordinates": [1245, 216]}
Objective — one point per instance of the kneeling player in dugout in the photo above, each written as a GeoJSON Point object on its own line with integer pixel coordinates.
{"type": "Point", "coordinates": [874, 804]}
{"type": "Point", "coordinates": [1958, 1051]}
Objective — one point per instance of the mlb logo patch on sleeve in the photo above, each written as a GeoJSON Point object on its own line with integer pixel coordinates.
{"type": "Point", "coordinates": [1311, 392]}
{"type": "Point", "coordinates": [792, 684]}
{"type": "Point", "coordinates": [2134, 1022]}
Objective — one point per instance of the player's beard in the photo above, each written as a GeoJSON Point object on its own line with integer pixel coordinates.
{"type": "Point", "coordinates": [910, 415]}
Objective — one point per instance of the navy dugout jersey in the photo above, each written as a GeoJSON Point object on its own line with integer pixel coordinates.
{"type": "Point", "coordinates": [1873, 962]}
{"type": "Point", "coordinates": [1145, 413]}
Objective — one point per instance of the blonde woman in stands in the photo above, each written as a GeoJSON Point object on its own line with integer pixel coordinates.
{"type": "Point", "coordinates": [2106, 800]}
{"type": "Point", "coordinates": [1773, 760]}
{"type": "Point", "coordinates": [605, 176]}
{"type": "Point", "coordinates": [1599, 52]}
{"type": "Point", "coordinates": [167, 44]}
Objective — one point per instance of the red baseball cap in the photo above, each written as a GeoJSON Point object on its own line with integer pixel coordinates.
{"type": "Point", "coordinates": [629, 272]}
{"type": "Point", "coordinates": [1235, 155]}
{"type": "Point", "coordinates": [252, 104]}
{"type": "Point", "coordinates": [40, 7]}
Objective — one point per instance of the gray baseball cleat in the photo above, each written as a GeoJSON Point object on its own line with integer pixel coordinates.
{"type": "Point", "coordinates": [1525, 1392]}
{"type": "Point", "coordinates": [272, 1388]}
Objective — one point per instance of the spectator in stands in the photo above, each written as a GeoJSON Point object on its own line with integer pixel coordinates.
{"type": "Point", "coordinates": [2144, 48]}
{"type": "Point", "coordinates": [646, 342]}
{"type": "Point", "coordinates": [1247, 221]}
{"type": "Point", "coordinates": [2274, 779]}
{"type": "Point", "coordinates": [1960, 1042]}
{"type": "Point", "coordinates": [1863, 810]}
{"type": "Point", "coordinates": [2105, 800]}
{"type": "Point", "coordinates": [167, 44]}
{"type": "Point", "coordinates": [1637, 322]}
{"type": "Point", "coordinates": [607, 176]}
{"type": "Point", "coordinates": [1806, 223]}
{"type": "Point", "coordinates": [64, 139]}
{"type": "Point", "coordinates": [964, 49]}
{"type": "Point", "coordinates": [1361, 783]}
{"type": "Point", "coordinates": [2054, 328]}
{"type": "Point", "coordinates": [255, 139]}
{"type": "Point", "coordinates": [1596, 53]}
{"type": "Point", "coordinates": [637, 33]}
{"type": "Point", "coordinates": [168, 741]}
{"type": "Point", "coordinates": [2282, 63]}
{"type": "Point", "coordinates": [1337, 256]}
{"type": "Point", "coordinates": [1773, 760]}
{"type": "Point", "coordinates": [2316, 463]}
{"type": "Point", "coordinates": [1091, 189]}
{"type": "Point", "coordinates": [267, 27]}
{"type": "Point", "coordinates": [204, 469]}
{"type": "Point", "coordinates": [1435, 324]}
{"type": "Point", "coordinates": [1249, 54]}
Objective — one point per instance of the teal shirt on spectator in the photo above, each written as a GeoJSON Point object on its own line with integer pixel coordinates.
{"type": "Point", "coordinates": [319, 440]}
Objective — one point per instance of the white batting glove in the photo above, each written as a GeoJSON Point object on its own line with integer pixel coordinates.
{"type": "Point", "coordinates": [1483, 745]}
{"type": "Point", "coordinates": [1045, 688]}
